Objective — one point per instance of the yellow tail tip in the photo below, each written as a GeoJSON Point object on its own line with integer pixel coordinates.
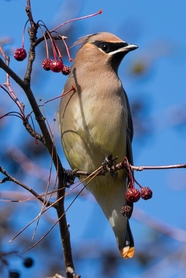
{"type": "Point", "coordinates": [127, 252]}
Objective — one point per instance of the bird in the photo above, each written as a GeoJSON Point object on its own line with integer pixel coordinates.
{"type": "Point", "coordinates": [95, 121]}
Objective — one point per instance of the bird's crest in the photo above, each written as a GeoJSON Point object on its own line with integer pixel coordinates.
{"type": "Point", "coordinates": [83, 40]}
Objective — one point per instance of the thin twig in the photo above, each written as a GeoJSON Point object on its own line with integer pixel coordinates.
{"type": "Point", "coordinates": [10, 178]}
{"type": "Point", "coordinates": [120, 166]}
{"type": "Point", "coordinates": [32, 132]}
{"type": "Point", "coordinates": [165, 167]}
{"type": "Point", "coordinates": [8, 85]}
{"type": "Point", "coordinates": [76, 19]}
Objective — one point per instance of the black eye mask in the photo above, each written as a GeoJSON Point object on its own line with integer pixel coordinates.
{"type": "Point", "coordinates": [109, 47]}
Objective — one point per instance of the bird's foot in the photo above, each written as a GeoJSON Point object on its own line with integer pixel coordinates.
{"type": "Point", "coordinates": [108, 165]}
{"type": "Point", "coordinates": [69, 177]}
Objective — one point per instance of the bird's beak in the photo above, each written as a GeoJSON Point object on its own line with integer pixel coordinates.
{"type": "Point", "coordinates": [124, 49]}
{"type": "Point", "coordinates": [128, 47]}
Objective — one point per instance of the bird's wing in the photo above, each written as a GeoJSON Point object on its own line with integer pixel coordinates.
{"type": "Point", "coordinates": [130, 132]}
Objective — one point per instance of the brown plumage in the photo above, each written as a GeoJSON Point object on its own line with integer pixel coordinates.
{"type": "Point", "coordinates": [96, 121]}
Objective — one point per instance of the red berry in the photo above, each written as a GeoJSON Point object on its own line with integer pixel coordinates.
{"type": "Point", "coordinates": [56, 65]}
{"type": "Point", "coordinates": [46, 64]}
{"type": "Point", "coordinates": [146, 193]}
{"type": "Point", "coordinates": [65, 70]}
{"type": "Point", "coordinates": [132, 195]}
{"type": "Point", "coordinates": [20, 54]}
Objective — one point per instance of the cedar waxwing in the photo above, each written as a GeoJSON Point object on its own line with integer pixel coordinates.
{"type": "Point", "coordinates": [95, 121]}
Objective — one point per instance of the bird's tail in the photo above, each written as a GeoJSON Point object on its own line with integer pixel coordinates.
{"type": "Point", "coordinates": [110, 195]}
{"type": "Point", "coordinates": [127, 251]}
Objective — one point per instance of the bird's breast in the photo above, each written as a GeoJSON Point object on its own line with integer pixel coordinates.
{"type": "Point", "coordinates": [97, 127]}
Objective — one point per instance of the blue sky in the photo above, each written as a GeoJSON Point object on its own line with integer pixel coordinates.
{"type": "Point", "coordinates": [158, 28]}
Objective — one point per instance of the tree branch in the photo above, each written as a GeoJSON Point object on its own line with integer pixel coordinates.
{"type": "Point", "coordinates": [8, 177]}
{"type": "Point", "coordinates": [119, 166]}
{"type": "Point", "coordinates": [25, 85]}
{"type": "Point", "coordinates": [165, 167]}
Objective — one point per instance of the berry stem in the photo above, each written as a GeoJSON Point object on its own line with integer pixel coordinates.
{"type": "Point", "coordinates": [46, 44]}
{"type": "Point", "coordinates": [54, 50]}
{"type": "Point", "coordinates": [67, 49]}
{"type": "Point", "coordinates": [23, 34]}
{"type": "Point", "coordinates": [129, 172]}
{"type": "Point", "coordinates": [52, 99]}
{"type": "Point", "coordinates": [138, 183]}
{"type": "Point", "coordinates": [76, 19]}
{"type": "Point", "coordinates": [57, 50]}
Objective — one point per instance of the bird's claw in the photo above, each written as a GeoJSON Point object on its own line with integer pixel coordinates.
{"type": "Point", "coordinates": [69, 177]}
{"type": "Point", "coordinates": [108, 165]}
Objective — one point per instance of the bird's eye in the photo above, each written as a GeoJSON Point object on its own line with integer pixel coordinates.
{"type": "Point", "coordinates": [104, 47]}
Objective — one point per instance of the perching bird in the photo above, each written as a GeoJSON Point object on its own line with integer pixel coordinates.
{"type": "Point", "coordinates": [95, 121]}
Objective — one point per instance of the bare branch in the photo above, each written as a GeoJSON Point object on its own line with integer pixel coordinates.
{"type": "Point", "coordinates": [25, 85]}
{"type": "Point", "coordinates": [10, 178]}
{"type": "Point", "coordinates": [166, 167]}
{"type": "Point", "coordinates": [123, 165]}
{"type": "Point", "coordinates": [8, 86]}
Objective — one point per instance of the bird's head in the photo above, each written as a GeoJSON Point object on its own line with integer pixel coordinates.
{"type": "Point", "coordinates": [103, 49]}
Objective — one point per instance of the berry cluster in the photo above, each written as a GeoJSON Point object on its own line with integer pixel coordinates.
{"type": "Point", "coordinates": [133, 194]}
{"type": "Point", "coordinates": [56, 64]}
